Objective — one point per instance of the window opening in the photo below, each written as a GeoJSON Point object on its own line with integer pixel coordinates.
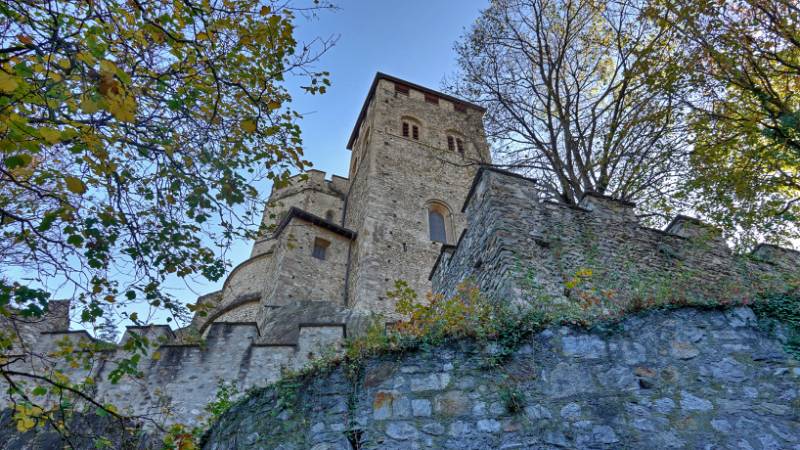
{"type": "Point", "coordinates": [320, 248]}
{"type": "Point", "coordinates": [436, 224]}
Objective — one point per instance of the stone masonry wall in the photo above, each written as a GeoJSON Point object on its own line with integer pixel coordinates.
{"type": "Point", "coordinates": [300, 276]}
{"type": "Point", "coordinates": [699, 379]}
{"type": "Point", "coordinates": [518, 247]}
{"type": "Point", "coordinates": [178, 381]}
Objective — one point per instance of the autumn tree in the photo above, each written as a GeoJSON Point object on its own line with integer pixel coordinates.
{"type": "Point", "coordinates": [738, 72]}
{"type": "Point", "coordinates": [132, 138]}
{"type": "Point", "coordinates": [565, 84]}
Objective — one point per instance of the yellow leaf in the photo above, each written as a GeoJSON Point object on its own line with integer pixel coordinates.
{"type": "Point", "coordinates": [274, 105]}
{"type": "Point", "coordinates": [249, 125]}
{"type": "Point", "coordinates": [156, 356]}
{"type": "Point", "coordinates": [7, 82]}
{"type": "Point", "coordinates": [122, 107]}
{"type": "Point", "coordinates": [108, 66]}
{"type": "Point", "coordinates": [24, 424]}
{"type": "Point", "coordinates": [88, 106]}
{"type": "Point", "coordinates": [64, 63]}
{"type": "Point", "coordinates": [50, 135]}
{"type": "Point", "coordinates": [265, 10]}
{"type": "Point", "coordinates": [75, 185]}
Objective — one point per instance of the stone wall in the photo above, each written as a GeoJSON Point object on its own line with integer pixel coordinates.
{"type": "Point", "coordinates": [667, 379]}
{"type": "Point", "coordinates": [178, 380]}
{"type": "Point", "coordinates": [297, 275]}
{"type": "Point", "coordinates": [518, 247]}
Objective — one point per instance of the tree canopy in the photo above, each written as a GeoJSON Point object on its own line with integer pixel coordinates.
{"type": "Point", "coordinates": [133, 133]}
{"type": "Point", "coordinates": [737, 69]}
{"type": "Point", "coordinates": [566, 87]}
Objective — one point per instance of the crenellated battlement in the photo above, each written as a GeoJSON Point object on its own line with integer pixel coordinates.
{"type": "Point", "coordinates": [177, 379]}
{"type": "Point", "coordinates": [312, 179]}
{"type": "Point", "coordinates": [516, 244]}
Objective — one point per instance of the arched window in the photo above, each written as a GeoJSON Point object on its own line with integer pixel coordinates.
{"type": "Point", "coordinates": [410, 128]}
{"type": "Point", "coordinates": [436, 225]}
{"type": "Point", "coordinates": [438, 222]}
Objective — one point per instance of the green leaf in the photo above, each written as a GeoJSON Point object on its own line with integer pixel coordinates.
{"type": "Point", "coordinates": [75, 185]}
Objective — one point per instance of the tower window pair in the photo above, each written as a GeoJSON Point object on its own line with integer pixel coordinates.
{"type": "Point", "coordinates": [455, 143]}
{"type": "Point", "coordinates": [410, 130]}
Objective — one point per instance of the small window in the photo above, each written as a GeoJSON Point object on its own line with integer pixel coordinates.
{"type": "Point", "coordinates": [415, 132]}
{"type": "Point", "coordinates": [460, 107]}
{"type": "Point", "coordinates": [405, 129]}
{"type": "Point", "coordinates": [320, 248]}
{"type": "Point", "coordinates": [451, 143]}
{"type": "Point", "coordinates": [432, 99]}
{"type": "Point", "coordinates": [460, 146]}
{"type": "Point", "coordinates": [401, 88]}
{"type": "Point", "coordinates": [438, 231]}
{"type": "Point", "coordinates": [329, 215]}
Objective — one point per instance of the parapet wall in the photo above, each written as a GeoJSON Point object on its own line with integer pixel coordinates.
{"type": "Point", "coordinates": [519, 247]}
{"type": "Point", "coordinates": [177, 381]}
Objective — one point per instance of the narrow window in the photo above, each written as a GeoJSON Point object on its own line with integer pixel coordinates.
{"type": "Point", "coordinates": [401, 88]}
{"type": "Point", "coordinates": [405, 129]}
{"type": "Point", "coordinates": [329, 215]}
{"type": "Point", "coordinates": [436, 225]}
{"type": "Point", "coordinates": [432, 99]}
{"type": "Point", "coordinates": [415, 132]}
{"type": "Point", "coordinates": [450, 145]}
{"type": "Point", "coordinates": [460, 145]}
{"type": "Point", "coordinates": [320, 248]}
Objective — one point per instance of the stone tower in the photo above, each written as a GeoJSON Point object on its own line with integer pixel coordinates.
{"type": "Point", "coordinates": [415, 152]}
{"type": "Point", "coordinates": [336, 246]}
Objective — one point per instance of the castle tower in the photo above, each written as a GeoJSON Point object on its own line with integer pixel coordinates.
{"type": "Point", "coordinates": [415, 152]}
{"type": "Point", "coordinates": [335, 247]}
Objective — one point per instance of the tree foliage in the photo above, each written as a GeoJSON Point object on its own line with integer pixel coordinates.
{"type": "Point", "coordinates": [132, 138]}
{"type": "Point", "coordinates": [132, 130]}
{"type": "Point", "coordinates": [738, 70]}
{"type": "Point", "coordinates": [565, 84]}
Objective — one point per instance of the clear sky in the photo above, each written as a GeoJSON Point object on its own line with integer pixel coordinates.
{"type": "Point", "coordinates": [410, 39]}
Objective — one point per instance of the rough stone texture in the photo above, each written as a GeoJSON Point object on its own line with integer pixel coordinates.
{"type": "Point", "coordinates": [522, 249]}
{"type": "Point", "coordinates": [178, 381]}
{"type": "Point", "coordinates": [606, 389]}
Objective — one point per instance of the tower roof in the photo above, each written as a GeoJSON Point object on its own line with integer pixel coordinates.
{"type": "Point", "coordinates": [383, 76]}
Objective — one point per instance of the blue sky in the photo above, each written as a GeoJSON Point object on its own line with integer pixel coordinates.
{"type": "Point", "coordinates": [412, 40]}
